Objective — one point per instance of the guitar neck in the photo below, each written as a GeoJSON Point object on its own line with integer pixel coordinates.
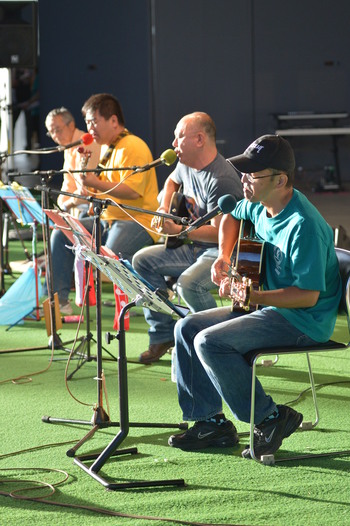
{"type": "Point", "coordinates": [249, 261]}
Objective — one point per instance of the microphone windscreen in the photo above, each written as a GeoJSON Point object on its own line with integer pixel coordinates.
{"type": "Point", "coordinates": [226, 203]}
{"type": "Point", "coordinates": [169, 157]}
{"type": "Point", "coordinates": [87, 138]}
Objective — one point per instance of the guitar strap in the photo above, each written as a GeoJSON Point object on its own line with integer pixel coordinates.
{"type": "Point", "coordinates": [108, 153]}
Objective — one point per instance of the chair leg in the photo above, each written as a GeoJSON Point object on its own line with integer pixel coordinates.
{"type": "Point", "coordinates": [270, 459]}
{"type": "Point", "coordinates": [307, 424]}
{"type": "Point", "coordinates": [252, 414]}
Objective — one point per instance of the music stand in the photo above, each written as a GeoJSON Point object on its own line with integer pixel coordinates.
{"type": "Point", "coordinates": [27, 210]}
{"type": "Point", "coordinates": [75, 231]}
{"type": "Point", "coordinates": [122, 274]}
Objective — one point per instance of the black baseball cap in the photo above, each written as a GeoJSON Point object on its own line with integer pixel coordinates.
{"type": "Point", "coordinates": [268, 151]}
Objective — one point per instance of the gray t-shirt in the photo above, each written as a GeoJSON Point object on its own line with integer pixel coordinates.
{"type": "Point", "coordinates": [202, 188]}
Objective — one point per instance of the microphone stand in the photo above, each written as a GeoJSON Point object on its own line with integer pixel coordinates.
{"type": "Point", "coordinates": [55, 149]}
{"type": "Point", "coordinates": [55, 341]}
{"type": "Point", "coordinates": [85, 340]}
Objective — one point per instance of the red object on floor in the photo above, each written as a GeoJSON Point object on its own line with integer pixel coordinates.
{"type": "Point", "coordinates": [121, 299]}
{"type": "Point", "coordinates": [72, 319]}
{"type": "Point", "coordinates": [92, 293]}
{"type": "Point", "coordinates": [80, 283]}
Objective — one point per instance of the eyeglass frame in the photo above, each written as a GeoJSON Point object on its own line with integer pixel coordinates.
{"type": "Point", "coordinates": [58, 130]}
{"type": "Point", "coordinates": [251, 179]}
{"type": "Point", "coordinates": [92, 122]}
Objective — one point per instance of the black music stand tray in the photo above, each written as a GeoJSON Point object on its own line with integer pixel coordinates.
{"type": "Point", "coordinates": [121, 273]}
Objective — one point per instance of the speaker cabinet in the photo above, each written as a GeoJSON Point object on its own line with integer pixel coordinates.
{"type": "Point", "coordinates": [18, 34]}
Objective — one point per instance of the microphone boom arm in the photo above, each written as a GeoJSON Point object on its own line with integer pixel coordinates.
{"type": "Point", "coordinates": [41, 173]}
{"type": "Point", "coordinates": [110, 202]}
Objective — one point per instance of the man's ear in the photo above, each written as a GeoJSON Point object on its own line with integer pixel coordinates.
{"type": "Point", "coordinates": [282, 180]}
{"type": "Point", "coordinates": [200, 138]}
{"type": "Point", "coordinates": [114, 120]}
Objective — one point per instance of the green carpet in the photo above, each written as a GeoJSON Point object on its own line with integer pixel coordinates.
{"type": "Point", "coordinates": [221, 487]}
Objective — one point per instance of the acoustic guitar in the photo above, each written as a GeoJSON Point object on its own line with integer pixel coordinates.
{"type": "Point", "coordinates": [246, 272]}
{"type": "Point", "coordinates": [178, 208]}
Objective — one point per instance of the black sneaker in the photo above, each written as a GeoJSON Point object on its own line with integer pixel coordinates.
{"type": "Point", "coordinates": [206, 434]}
{"type": "Point", "coordinates": [269, 434]}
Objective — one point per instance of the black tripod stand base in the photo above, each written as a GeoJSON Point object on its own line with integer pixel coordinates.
{"type": "Point", "coordinates": [114, 486]}
{"type": "Point", "coordinates": [100, 458]}
{"type": "Point", "coordinates": [161, 425]}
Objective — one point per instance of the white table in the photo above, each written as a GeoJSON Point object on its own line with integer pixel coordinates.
{"type": "Point", "coordinates": [309, 115]}
{"type": "Point", "coordinates": [334, 131]}
{"type": "Point", "coordinates": [294, 132]}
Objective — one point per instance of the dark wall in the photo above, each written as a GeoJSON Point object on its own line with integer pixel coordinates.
{"type": "Point", "coordinates": [203, 62]}
{"type": "Point", "coordinates": [92, 47]}
{"type": "Point", "coordinates": [239, 60]}
{"type": "Point", "coordinates": [301, 63]}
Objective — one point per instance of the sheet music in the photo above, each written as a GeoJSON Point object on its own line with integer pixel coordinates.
{"type": "Point", "coordinates": [73, 229]}
{"type": "Point", "coordinates": [122, 274]}
{"type": "Point", "coordinates": [22, 203]}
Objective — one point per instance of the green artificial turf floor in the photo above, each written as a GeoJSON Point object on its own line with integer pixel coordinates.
{"type": "Point", "coordinates": [220, 486]}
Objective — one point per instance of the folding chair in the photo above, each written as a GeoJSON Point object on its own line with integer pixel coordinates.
{"type": "Point", "coordinates": [253, 357]}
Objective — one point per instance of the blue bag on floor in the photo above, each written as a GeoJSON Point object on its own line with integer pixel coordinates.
{"type": "Point", "coordinates": [20, 300]}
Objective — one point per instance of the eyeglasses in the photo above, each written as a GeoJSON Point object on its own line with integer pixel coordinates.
{"type": "Point", "coordinates": [251, 179]}
{"type": "Point", "coordinates": [92, 122]}
{"type": "Point", "coordinates": [55, 131]}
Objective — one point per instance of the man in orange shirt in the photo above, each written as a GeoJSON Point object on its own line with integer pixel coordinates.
{"type": "Point", "coordinates": [60, 125]}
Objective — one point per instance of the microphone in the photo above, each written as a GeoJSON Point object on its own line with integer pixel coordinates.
{"type": "Point", "coordinates": [226, 204]}
{"type": "Point", "coordinates": [168, 157]}
{"type": "Point", "coordinates": [85, 139]}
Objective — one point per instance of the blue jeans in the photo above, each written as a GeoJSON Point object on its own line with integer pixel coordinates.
{"type": "Point", "coordinates": [122, 237]}
{"type": "Point", "coordinates": [210, 367]}
{"type": "Point", "coordinates": [191, 264]}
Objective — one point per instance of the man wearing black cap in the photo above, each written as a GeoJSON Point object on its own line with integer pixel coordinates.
{"type": "Point", "coordinates": [298, 305]}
